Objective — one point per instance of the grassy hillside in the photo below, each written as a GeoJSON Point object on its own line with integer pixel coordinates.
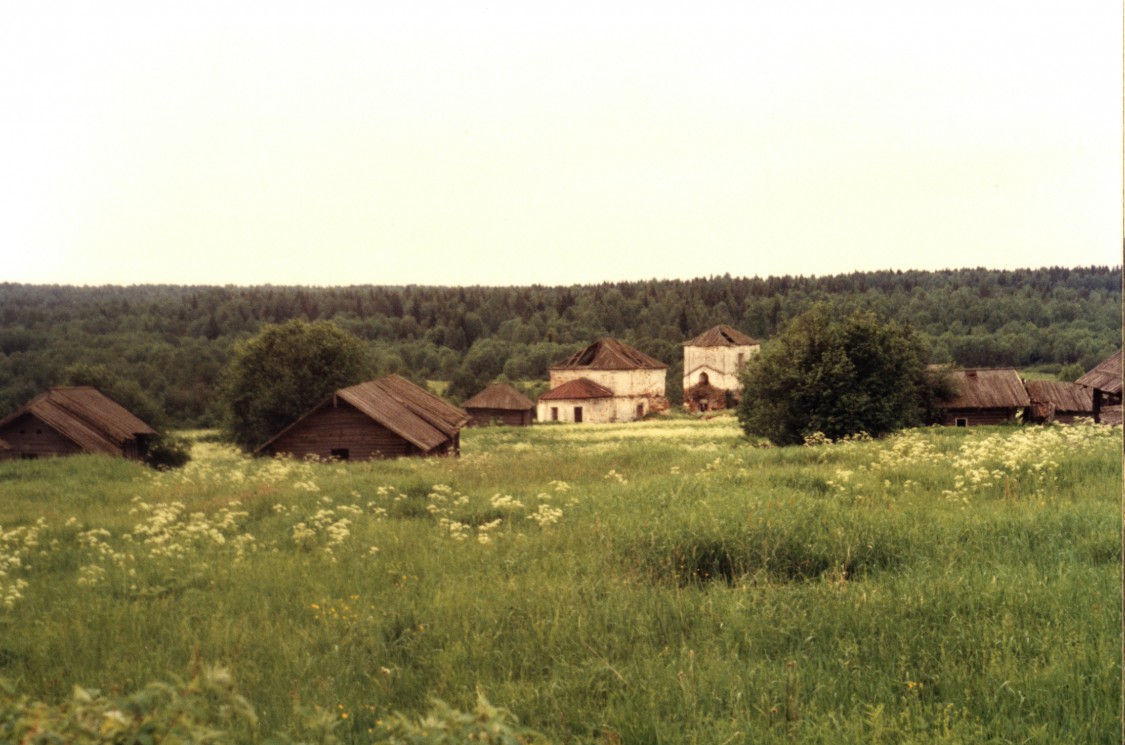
{"type": "Point", "coordinates": [662, 581]}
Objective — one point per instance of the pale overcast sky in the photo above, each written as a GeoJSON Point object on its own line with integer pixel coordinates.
{"type": "Point", "coordinates": [245, 142]}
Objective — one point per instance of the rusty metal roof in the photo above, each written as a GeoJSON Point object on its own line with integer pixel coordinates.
{"type": "Point", "coordinates": [414, 414]}
{"type": "Point", "coordinates": [1065, 397]}
{"type": "Point", "coordinates": [999, 388]}
{"type": "Point", "coordinates": [1106, 376]}
{"type": "Point", "coordinates": [575, 389]}
{"type": "Point", "coordinates": [610, 354]}
{"type": "Point", "coordinates": [85, 416]}
{"type": "Point", "coordinates": [721, 336]}
{"type": "Point", "coordinates": [499, 396]}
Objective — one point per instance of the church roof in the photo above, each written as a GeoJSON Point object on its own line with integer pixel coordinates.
{"type": "Point", "coordinates": [609, 354]}
{"type": "Point", "coordinates": [721, 336]}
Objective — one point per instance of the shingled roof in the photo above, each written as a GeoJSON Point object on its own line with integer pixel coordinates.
{"type": "Point", "coordinates": [85, 416]}
{"type": "Point", "coordinates": [1065, 397]}
{"type": "Point", "coordinates": [499, 396]}
{"type": "Point", "coordinates": [721, 336]}
{"type": "Point", "coordinates": [999, 388]}
{"type": "Point", "coordinates": [610, 354]}
{"type": "Point", "coordinates": [1106, 376]}
{"type": "Point", "coordinates": [575, 389]}
{"type": "Point", "coordinates": [414, 414]}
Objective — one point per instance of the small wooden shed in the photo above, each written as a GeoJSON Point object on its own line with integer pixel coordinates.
{"type": "Point", "coordinates": [989, 396]}
{"type": "Point", "coordinates": [577, 401]}
{"type": "Point", "coordinates": [70, 420]}
{"type": "Point", "coordinates": [499, 403]}
{"type": "Point", "coordinates": [384, 418]}
{"type": "Point", "coordinates": [1056, 401]}
{"type": "Point", "coordinates": [1104, 381]}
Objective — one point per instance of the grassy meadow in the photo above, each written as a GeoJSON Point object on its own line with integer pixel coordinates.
{"type": "Point", "coordinates": [659, 582]}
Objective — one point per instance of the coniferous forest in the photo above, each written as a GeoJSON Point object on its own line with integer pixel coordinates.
{"type": "Point", "coordinates": [174, 342]}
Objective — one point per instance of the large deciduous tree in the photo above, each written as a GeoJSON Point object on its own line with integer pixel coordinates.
{"type": "Point", "coordinates": [283, 372]}
{"type": "Point", "coordinates": [837, 376]}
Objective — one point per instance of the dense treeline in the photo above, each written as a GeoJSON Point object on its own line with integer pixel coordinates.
{"type": "Point", "coordinates": [175, 341]}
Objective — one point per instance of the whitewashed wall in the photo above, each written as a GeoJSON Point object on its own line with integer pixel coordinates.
{"type": "Point", "coordinates": [621, 382]}
{"type": "Point", "coordinates": [631, 388]}
{"type": "Point", "coordinates": [720, 364]}
{"type": "Point", "coordinates": [594, 410]}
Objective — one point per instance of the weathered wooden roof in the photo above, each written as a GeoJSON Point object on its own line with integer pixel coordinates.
{"type": "Point", "coordinates": [721, 336]}
{"type": "Point", "coordinates": [85, 416]}
{"type": "Point", "coordinates": [499, 396]}
{"type": "Point", "coordinates": [610, 354]}
{"type": "Point", "coordinates": [1065, 397]}
{"type": "Point", "coordinates": [1106, 376]}
{"type": "Point", "coordinates": [576, 389]}
{"type": "Point", "coordinates": [999, 388]}
{"type": "Point", "coordinates": [414, 414]}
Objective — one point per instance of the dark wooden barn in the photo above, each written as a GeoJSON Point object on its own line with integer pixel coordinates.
{"type": "Point", "coordinates": [1104, 382]}
{"type": "Point", "coordinates": [986, 397]}
{"type": "Point", "coordinates": [499, 403]}
{"type": "Point", "coordinates": [385, 418]}
{"type": "Point", "coordinates": [1056, 401]}
{"type": "Point", "coordinates": [71, 420]}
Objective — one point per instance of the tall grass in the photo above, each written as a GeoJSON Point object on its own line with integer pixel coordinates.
{"type": "Point", "coordinates": [664, 581]}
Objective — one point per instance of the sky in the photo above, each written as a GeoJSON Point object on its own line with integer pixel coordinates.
{"type": "Point", "coordinates": [518, 143]}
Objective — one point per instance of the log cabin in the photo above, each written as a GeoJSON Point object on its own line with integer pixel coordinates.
{"type": "Point", "coordinates": [1057, 401]}
{"type": "Point", "coordinates": [1104, 382]}
{"type": "Point", "coordinates": [499, 403]}
{"type": "Point", "coordinates": [991, 396]}
{"type": "Point", "coordinates": [385, 418]}
{"type": "Point", "coordinates": [68, 420]}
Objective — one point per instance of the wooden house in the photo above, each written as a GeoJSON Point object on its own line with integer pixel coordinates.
{"type": "Point", "coordinates": [986, 397]}
{"type": "Point", "coordinates": [634, 380]}
{"type": "Point", "coordinates": [712, 363]}
{"type": "Point", "coordinates": [1104, 382]}
{"type": "Point", "coordinates": [1056, 401]}
{"type": "Point", "coordinates": [499, 403]}
{"type": "Point", "coordinates": [384, 418]}
{"type": "Point", "coordinates": [578, 401]}
{"type": "Point", "coordinates": [71, 420]}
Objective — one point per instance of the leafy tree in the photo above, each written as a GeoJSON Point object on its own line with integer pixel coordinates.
{"type": "Point", "coordinates": [1070, 373]}
{"type": "Point", "coordinates": [838, 376]}
{"type": "Point", "coordinates": [283, 372]}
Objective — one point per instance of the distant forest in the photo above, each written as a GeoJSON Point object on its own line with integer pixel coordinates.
{"type": "Point", "coordinates": [174, 341]}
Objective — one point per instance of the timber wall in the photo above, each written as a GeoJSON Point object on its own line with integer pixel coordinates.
{"type": "Point", "coordinates": [506, 417]}
{"type": "Point", "coordinates": [342, 428]}
{"type": "Point", "coordinates": [29, 436]}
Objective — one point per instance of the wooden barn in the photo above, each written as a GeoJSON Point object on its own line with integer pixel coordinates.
{"type": "Point", "coordinates": [1056, 401]}
{"type": "Point", "coordinates": [634, 379]}
{"type": "Point", "coordinates": [578, 401]}
{"type": "Point", "coordinates": [1104, 383]}
{"type": "Point", "coordinates": [71, 420]}
{"type": "Point", "coordinates": [384, 418]}
{"type": "Point", "coordinates": [499, 403]}
{"type": "Point", "coordinates": [712, 363]}
{"type": "Point", "coordinates": [986, 397]}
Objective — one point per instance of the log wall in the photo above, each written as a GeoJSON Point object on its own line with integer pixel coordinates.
{"type": "Point", "coordinates": [342, 428]}
{"type": "Point", "coordinates": [30, 437]}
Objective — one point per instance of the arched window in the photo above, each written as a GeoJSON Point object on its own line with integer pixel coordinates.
{"type": "Point", "coordinates": [703, 379]}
